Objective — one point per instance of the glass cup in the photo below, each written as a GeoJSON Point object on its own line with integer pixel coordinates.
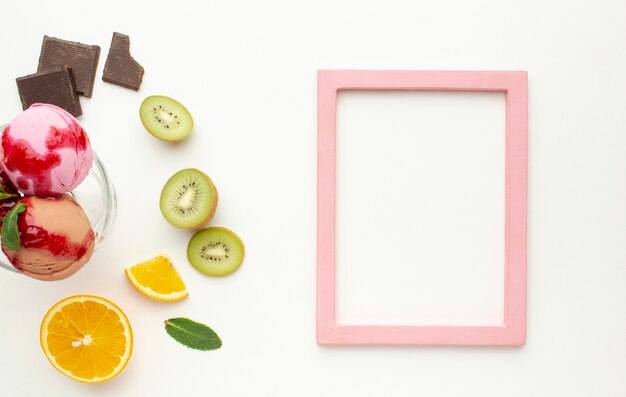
{"type": "Point", "coordinates": [96, 195]}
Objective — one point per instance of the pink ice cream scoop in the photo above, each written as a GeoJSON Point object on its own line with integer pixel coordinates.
{"type": "Point", "coordinates": [45, 152]}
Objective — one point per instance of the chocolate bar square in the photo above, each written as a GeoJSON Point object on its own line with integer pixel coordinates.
{"type": "Point", "coordinates": [81, 58]}
{"type": "Point", "coordinates": [120, 67]}
{"type": "Point", "coordinates": [54, 86]}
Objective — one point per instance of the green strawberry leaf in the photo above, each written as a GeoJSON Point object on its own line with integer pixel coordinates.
{"type": "Point", "coordinates": [192, 334]}
{"type": "Point", "coordinates": [10, 233]}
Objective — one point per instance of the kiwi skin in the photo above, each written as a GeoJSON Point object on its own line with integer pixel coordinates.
{"type": "Point", "coordinates": [213, 207]}
{"type": "Point", "coordinates": [235, 236]}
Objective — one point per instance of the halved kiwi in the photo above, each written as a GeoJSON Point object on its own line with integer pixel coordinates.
{"type": "Point", "coordinates": [215, 251]}
{"type": "Point", "coordinates": [188, 199]}
{"type": "Point", "coordinates": [165, 118]}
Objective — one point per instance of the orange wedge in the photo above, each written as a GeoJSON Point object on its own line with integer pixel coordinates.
{"type": "Point", "coordinates": [87, 338]}
{"type": "Point", "coordinates": [158, 279]}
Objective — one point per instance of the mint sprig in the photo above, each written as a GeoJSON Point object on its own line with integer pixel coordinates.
{"type": "Point", "coordinates": [10, 233]}
{"type": "Point", "coordinates": [192, 334]}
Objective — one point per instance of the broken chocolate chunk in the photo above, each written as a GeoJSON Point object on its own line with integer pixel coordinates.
{"type": "Point", "coordinates": [54, 86]}
{"type": "Point", "coordinates": [81, 58]}
{"type": "Point", "coordinates": [120, 67]}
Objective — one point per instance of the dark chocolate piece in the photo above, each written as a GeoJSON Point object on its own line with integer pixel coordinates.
{"type": "Point", "coordinates": [54, 86]}
{"type": "Point", "coordinates": [120, 67]}
{"type": "Point", "coordinates": [81, 58]}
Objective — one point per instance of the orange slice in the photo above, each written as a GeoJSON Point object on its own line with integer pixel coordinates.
{"type": "Point", "coordinates": [87, 338]}
{"type": "Point", "coordinates": [158, 279]}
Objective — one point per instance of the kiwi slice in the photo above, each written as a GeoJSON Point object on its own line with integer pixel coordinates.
{"type": "Point", "coordinates": [215, 251]}
{"type": "Point", "coordinates": [165, 118]}
{"type": "Point", "coordinates": [188, 199]}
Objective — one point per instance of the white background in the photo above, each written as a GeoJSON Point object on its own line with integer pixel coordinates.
{"type": "Point", "coordinates": [420, 208]}
{"type": "Point", "coordinates": [247, 71]}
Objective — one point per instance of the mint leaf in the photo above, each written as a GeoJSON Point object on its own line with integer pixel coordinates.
{"type": "Point", "coordinates": [192, 334]}
{"type": "Point", "coordinates": [10, 234]}
{"type": "Point", "coordinates": [4, 195]}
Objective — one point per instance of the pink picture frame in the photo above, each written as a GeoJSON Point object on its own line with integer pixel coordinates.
{"type": "Point", "coordinates": [514, 84]}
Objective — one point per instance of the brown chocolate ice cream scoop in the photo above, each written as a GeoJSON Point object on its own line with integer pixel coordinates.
{"type": "Point", "coordinates": [56, 238]}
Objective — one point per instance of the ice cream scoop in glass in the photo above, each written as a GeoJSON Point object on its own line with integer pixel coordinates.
{"type": "Point", "coordinates": [58, 235]}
